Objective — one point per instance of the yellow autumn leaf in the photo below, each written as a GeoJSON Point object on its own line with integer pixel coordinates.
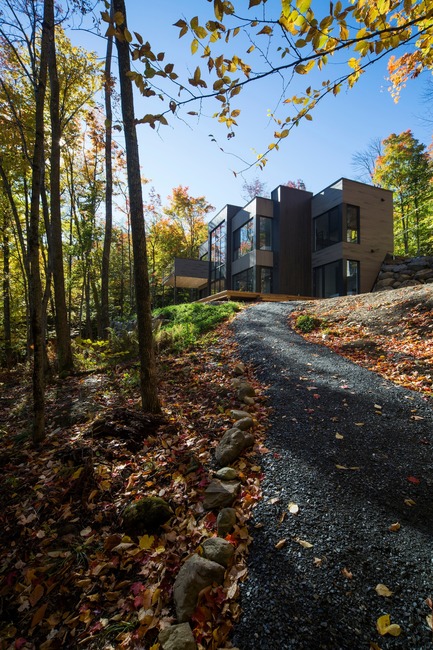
{"type": "Point", "coordinates": [374, 646]}
{"type": "Point", "coordinates": [395, 527]}
{"type": "Point", "coordinates": [410, 502]}
{"type": "Point", "coordinates": [293, 508]}
{"type": "Point", "coordinates": [77, 473]}
{"type": "Point", "coordinates": [384, 626]}
{"type": "Point", "coordinates": [429, 619]}
{"type": "Point", "coordinates": [382, 590]}
{"type": "Point", "coordinates": [145, 542]}
{"type": "Point", "coordinates": [339, 436]}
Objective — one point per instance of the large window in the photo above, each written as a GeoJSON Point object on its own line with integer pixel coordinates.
{"type": "Point", "coordinates": [352, 277]}
{"type": "Point", "coordinates": [244, 281]}
{"type": "Point", "coordinates": [328, 280]}
{"type": "Point", "coordinates": [243, 240]}
{"type": "Point", "coordinates": [352, 224]}
{"type": "Point", "coordinates": [327, 229]}
{"type": "Point", "coordinates": [218, 258]}
{"type": "Point", "coordinates": [265, 279]}
{"type": "Point", "coordinates": [336, 279]}
{"type": "Point", "coordinates": [265, 233]}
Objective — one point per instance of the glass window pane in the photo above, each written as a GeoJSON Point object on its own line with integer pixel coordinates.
{"type": "Point", "coordinates": [243, 240]}
{"type": "Point", "coordinates": [352, 277]}
{"type": "Point", "coordinates": [265, 234]}
{"type": "Point", "coordinates": [352, 224]}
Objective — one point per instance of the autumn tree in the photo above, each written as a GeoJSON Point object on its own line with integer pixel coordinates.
{"type": "Point", "coordinates": [405, 167]}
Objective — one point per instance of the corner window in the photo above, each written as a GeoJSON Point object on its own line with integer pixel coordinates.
{"type": "Point", "coordinates": [244, 281]}
{"type": "Point", "coordinates": [265, 234]}
{"type": "Point", "coordinates": [352, 224]}
{"type": "Point", "coordinates": [328, 280]}
{"type": "Point", "coordinates": [243, 240]}
{"type": "Point", "coordinates": [327, 229]}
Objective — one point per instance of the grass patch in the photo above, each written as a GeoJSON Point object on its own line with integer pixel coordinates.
{"type": "Point", "coordinates": [183, 325]}
{"type": "Point", "coordinates": [307, 323]}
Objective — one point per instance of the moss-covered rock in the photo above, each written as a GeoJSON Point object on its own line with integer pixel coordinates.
{"type": "Point", "coordinates": [146, 515]}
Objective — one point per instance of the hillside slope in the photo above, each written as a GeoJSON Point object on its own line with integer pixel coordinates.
{"type": "Point", "coordinates": [389, 332]}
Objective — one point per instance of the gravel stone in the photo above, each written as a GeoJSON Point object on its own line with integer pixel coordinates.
{"type": "Point", "coordinates": [301, 598]}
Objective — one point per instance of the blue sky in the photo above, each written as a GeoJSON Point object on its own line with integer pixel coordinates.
{"type": "Point", "coordinates": [318, 152]}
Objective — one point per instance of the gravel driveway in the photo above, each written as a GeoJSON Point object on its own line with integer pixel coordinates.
{"type": "Point", "coordinates": [354, 453]}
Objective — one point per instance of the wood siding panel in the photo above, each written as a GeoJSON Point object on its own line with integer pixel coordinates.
{"type": "Point", "coordinates": [293, 244]}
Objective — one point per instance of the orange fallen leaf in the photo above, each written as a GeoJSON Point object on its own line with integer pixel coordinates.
{"type": "Point", "coordinates": [38, 615]}
{"type": "Point", "coordinates": [36, 595]}
{"type": "Point", "coordinates": [347, 574]}
{"type": "Point", "coordinates": [281, 543]}
{"type": "Point", "coordinates": [395, 527]}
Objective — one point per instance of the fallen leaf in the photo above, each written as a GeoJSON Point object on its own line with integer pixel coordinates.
{"type": "Point", "coordinates": [318, 561]}
{"type": "Point", "coordinates": [413, 479]}
{"type": "Point", "coordinates": [36, 595]}
{"type": "Point", "coordinates": [339, 436]}
{"type": "Point", "coordinates": [374, 646]}
{"type": "Point", "coordinates": [429, 619]}
{"type": "Point", "coordinates": [384, 626]}
{"type": "Point", "coordinates": [382, 590]}
{"type": "Point", "coordinates": [395, 527]}
{"type": "Point", "coordinates": [302, 542]}
{"type": "Point", "coordinates": [146, 541]}
{"type": "Point", "coordinates": [378, 407]}
{"type": "Point", "coordinates": [344, 467]}
{"type": "Point", "coordinates": [282, 517]}
{"type": "Point", "coordinates": [274, 500]}
{"type": "Point", "coordinates": [281, 543]}
{"type": "Point", "coordinates": [347, 574]}
{"type": "Point", "coordinates": [293, 508]}
{"type": "Point", "coordinates": [38, 615]}
{"type": "Point", "coordinates": [359, 424]}
{"type": "Point", "coordinates": [410, 502]}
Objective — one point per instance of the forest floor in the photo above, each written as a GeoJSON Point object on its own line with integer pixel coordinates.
{"type": "Point", "coordinates": [69, 575]}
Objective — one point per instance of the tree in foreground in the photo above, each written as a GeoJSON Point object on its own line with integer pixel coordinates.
{"type": "Point", "coordinates": [148, 387]}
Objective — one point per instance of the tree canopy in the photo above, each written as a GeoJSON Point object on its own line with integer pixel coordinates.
{"type": "Point", "coordinates": [284, 40]}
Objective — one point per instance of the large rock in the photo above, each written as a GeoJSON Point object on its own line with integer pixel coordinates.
{"type": "Point", "coordinates": [245, 390]}
{"type": "Point", "coordinates": [226, 474]}
{"type": "Point", "coordinates": [146, 515]}
{"type": "Point", "coordinates": [220, 494]}
{"type": "Point", "coordinates": [244, 423]}
{"type": "Point", "coordinates": [177, 637]}
{"type": "Point", "coordinates": [218, 550]}
{"type": "Point", "coordinates": [231, 445]}
{"type": "Point", "coordinates": [226, 521]}
{"type": "Point", "coordinates": [236, 414]}
{"type": "Point", "coordinates": [196, 574]}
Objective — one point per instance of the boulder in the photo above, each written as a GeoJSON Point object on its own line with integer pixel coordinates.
{"type": "Point", "coordinates": [218, 550]}
{"type": "Point", "coordinates": [220, 494]}
{"type": "Point", "coordinates": [231, 445]}
{"type": "Point", "coordinates": [239, 415]}
{"type": "Point", "coordinates": [196, 574]}
{"type": "Point", "coordinates": [239, 368]}
{"type": "Point", "coordinates": [226, 521]}
{"type": "Point", "coordinates": [245, 423]}
{"type": "Point", "coordinates": [146, 515]}
{"type": "Point", "coordinates": [226, 474]}
{"type": "Point", "coordinates": [245, 390]}
{"type": "Point", "coordinates": [177, 637]}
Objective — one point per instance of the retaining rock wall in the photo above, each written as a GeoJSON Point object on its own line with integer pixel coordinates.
{"type": "Point", "coordinates": [397, 272]}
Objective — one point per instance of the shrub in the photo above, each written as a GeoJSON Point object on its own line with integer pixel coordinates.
{"type": "Point", "coordinates": [307, 323]}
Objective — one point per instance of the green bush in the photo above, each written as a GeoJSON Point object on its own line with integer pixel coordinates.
{"type": "Point", "coordinates": [307, 323]}
{"type": "Point", "coordinates": [182, 325]}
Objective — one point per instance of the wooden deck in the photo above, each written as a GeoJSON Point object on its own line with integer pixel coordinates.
{"type": "Point", "coordinates": [253, 297]}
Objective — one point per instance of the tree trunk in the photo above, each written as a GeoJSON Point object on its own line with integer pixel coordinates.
{"type": "Point", "coordinates": [104, 322]}
{"type": "Point", "coordinates": [7, 330]}
{"type": "Point", "coordinates": [38, 428]}
{"type": "Point", "coordinates": [148, 387]}
{"type": "Point", "coordinates": [64, 350]}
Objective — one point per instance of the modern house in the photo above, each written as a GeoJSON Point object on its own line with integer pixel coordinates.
{"type": "Point", "coordinates": [295, 244]}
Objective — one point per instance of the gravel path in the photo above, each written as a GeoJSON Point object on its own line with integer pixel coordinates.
{"type": "Point", "coordinates": [324, 596]}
